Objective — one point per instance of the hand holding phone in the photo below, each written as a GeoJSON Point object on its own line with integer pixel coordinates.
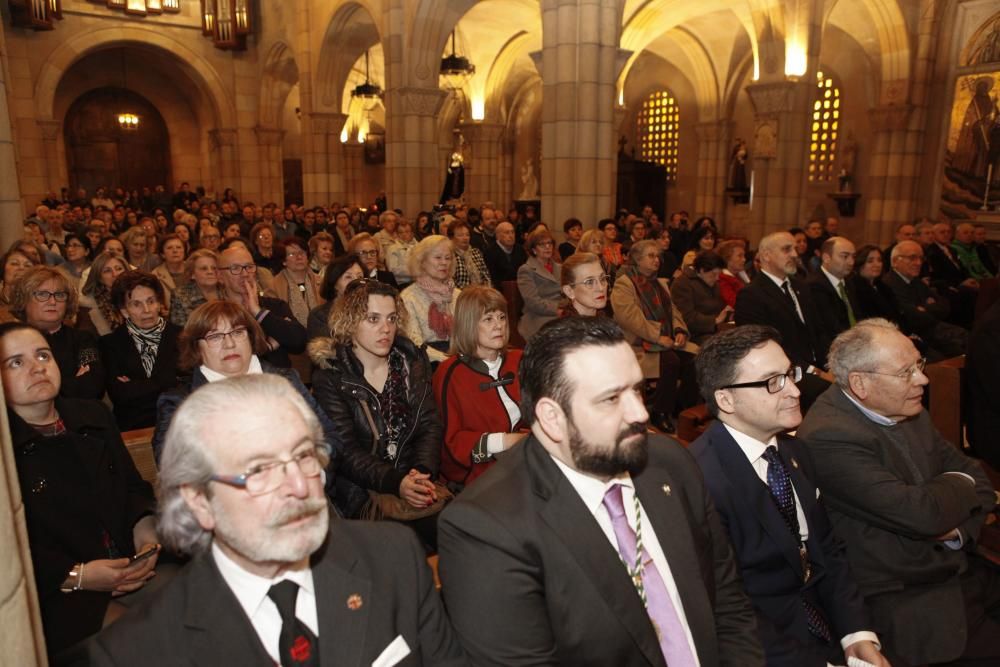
{"type": "Point", "coordinates": [148, 553]}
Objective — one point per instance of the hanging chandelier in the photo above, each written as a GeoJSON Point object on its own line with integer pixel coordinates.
{"type": "Point", "coordinates": [456, 69]}
{"type": "Point", "coordinates": [129, 122]}
{"type": "Point", "coordinates": [369, 93]}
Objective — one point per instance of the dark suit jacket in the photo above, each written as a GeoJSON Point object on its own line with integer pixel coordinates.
{"type": "Point", "coordinates": [135, 400]}
{"type": "Point", "coordinates": [763, 302]}
{"type": "Point", "coordinates": [829, 308]}
{"type": "Point", "coordinates": [919, 316]}
{"type": "Point", "coordinates": [529, 578]}
{"type": "Point", "coordinates": [768, 555]}
{"type": "Point", "coordinates": [944, 272]}
{"type": "Point", "coordinates": [282, 326]}
{"type": "Point", "coordinates": [197, 620]}
{"type": "Point", "coordinates": [501, 265]}
{"type": "Point", "coordinates": [888, 497]}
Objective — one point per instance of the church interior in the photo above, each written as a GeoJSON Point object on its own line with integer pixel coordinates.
{"type": "Point", "coordinates": [760, 114]}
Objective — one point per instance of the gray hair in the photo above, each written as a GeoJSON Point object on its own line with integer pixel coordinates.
{"type": "Point", "coordinates": [855, 349]}
{"type": "Point", "coordinates": [188, 462]}
{"type": "Point", "coordinates": [637, 249]}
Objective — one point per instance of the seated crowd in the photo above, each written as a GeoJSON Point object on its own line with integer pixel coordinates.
{"type": "Point", "coordinates": [401, 360]}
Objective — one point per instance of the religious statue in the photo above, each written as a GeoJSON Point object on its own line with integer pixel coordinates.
{"type": "Point", "coordinates": [848, 159]}
{"type": "Point", "coordinates": [529, 183]}
{"type": "Point", "coordinates": [454, 181]}
{"type": "Point", "coordinates": [738, 167]}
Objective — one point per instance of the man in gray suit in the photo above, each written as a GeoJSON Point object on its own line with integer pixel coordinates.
{"type": "Point", "coordinates": [584, 545]}
{"type": "Point", "coordinates": [908, 504]}
{"type": "Point", "coordinates": [274, 579]}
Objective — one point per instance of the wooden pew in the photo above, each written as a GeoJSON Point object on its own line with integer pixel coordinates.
{"type": "Point", "coordinates": [140, 446]}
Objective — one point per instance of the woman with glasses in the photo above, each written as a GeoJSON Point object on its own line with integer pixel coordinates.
{"type": "Point", "coordinates": [375, 385]}
{"type": "Point", "coordinates": [44, 298]}
{"type": "Point", "coordinates": [86, 507]}
{"type": "Point", "coordinates": [369, 252]}
{"type": "Point", "coordinates": [140, 355]}
{"type": "Point", "coordinates": [430, 300]}
{"type": "Point", "coordinates": [97, 313]}
{"type": "Point", "coordinates": [340, 273]}
{"type": "Point", "coordinates": [296, 285]}
{"type": "Point", "coordinates": [222, 339]}
{"type": "Point", "coordinates": [477, 388]}
{"type": "Point", "coordinates": [538, 281]}
{"type": "Point", "coordinates": [202, 286]}
{"type": "Point", "coordinates": [265, 253]}
{"type": "Point", "coordinates": [77, 252]}
{"type": "Point", "coordinates": [734, 276]}
{"type": "Point", "coordinates": [584, 284]}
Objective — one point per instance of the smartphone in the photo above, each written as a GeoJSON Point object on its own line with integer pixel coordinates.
{"type": "Point", "coordinates": [152, 551]}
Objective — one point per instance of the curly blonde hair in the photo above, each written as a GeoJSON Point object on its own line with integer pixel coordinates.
{"type": "Point", "coordinates": [352, 307]}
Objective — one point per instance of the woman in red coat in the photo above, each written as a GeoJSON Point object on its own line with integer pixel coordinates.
{"type": "Point", "coordinates": [477, 388]}
{"type": "Point", "coordinates": [733, 278]}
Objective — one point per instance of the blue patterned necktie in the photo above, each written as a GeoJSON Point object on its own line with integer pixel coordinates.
{"type": "Point", "coordinates": [784, 497]}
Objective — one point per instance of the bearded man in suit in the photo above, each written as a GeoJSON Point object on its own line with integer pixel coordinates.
{"type": "Point", "coordinates": [587, 544]}
{"type": "Point", "coordinates": [274, 579]}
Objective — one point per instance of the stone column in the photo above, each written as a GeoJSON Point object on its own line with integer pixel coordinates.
{"type": "Point", "coordinates": [482, 172]}
{"type": "Point", "coordinates": [269, 153]}
{"type": "Point", "coordinates": [413, 173]}
{"type": "Point", "coordinates": [51, 131]}
{"type": "Point", "coordinates": [714, 140]}
{"type": "Point", "coordinates": [779, 152]}
{"type": "Point", "coordinates": [579, 62]}
{"type": "Point", "coordinates": [893, 171]}
{"type": "Point", "coordinates": [225, 165]}
{"type": "Point", "coordinates": [354, 171]}
{"type": "Point", "coordinates": [323, 176]}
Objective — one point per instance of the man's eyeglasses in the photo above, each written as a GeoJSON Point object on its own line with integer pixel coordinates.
{"type": "Point", "coordinates": [215, 339]}
{"type": "Point", "coordinates": [368, 253]}
{"type": "Point", "coordinates": [774, 384]}
{"type": "Point", "coordinates": [905, 374]}
{"type": "Point", "coordinates": [42, 295]}
{"type": "Point", "coordinates": [237, 269]}
{"type": "Point", "coordinates": [594, 281]}
{"type": "Point", "coordinates": [267, 477]}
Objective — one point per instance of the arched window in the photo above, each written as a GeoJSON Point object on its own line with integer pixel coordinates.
{"type": "Point", "coordinates": [658, 130]}
{"type": "Point", "coordinates": [824, 130]}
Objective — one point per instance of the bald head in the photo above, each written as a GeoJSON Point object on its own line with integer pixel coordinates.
{"type": "Point", "coordinates": [906, 259]}
{"type": "Point", "coordinates": [837, 255]}
{"type": "Point", "coordinates": [777, 254]}
{"type": "Point", "coordinates": [233, 256]}
{"type": "Point", "coordinates": [505, 234]}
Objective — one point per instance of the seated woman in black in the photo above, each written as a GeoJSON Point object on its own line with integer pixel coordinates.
{"type": "Point", "coordinates": [339, 273]}
{"type": "Point", "coordinates": [44, 298]}
{"type": "Point", "coordinates": [86, 507]}
{"type": "Point", "coordinates": [375, 385]}
{"type": "Point", "coordinates": [140, 356]}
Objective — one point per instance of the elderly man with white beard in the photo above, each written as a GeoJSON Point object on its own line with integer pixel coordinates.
{"type": "Point", "coordinates": [274, 578]}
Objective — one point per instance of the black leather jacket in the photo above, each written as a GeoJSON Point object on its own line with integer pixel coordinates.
{"type": "Point", "coordinates": [352, 404]}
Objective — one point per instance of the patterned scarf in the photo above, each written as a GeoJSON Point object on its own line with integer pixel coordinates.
{"type": "Point", "coordinates": [301, 297]}
{"type": "Point", "coordinates": [396, 407]}
{"type": "Point", "coordinates": [468, 257]}
{"type": "Point", "coordinates": [653, 299]}
{"type": "Point", "coordinates": [439, 316]}
{"type": "Point", "coordinates": [147, 342]}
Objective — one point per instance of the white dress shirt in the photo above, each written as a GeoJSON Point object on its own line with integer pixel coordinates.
{"type": "Point", "coordinates": [592, 492]}
{"type": "Point", "coordinates": [251, 592]}
{"type": "Point", "coordinates": [494, 441]}
{"type": "Point", "coordinates": [754, 449]}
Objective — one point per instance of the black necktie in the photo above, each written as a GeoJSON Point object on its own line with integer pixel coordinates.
{"type": "Point", "coordinates": [298, 646]}
{"type": "Point", "coordinates": [784, 497]}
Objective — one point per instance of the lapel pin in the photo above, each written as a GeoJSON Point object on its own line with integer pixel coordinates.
{"type": "Point", "coordinates": [666, 489]}
{"type": "Point", "coordinates": [354, 602]}
{"type": "Point", "coordinates": [795, 464]}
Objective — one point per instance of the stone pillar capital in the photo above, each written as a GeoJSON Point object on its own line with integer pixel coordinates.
{"type": "Point", "coordinates": [222, 137]}
{"type": "Point", "coordinates": [410, 101]}
{"type": "Point", "coordinates": [887, 117]}
{"type": "Point", "coordinates": [771, 99]}
{"type": "Point", "coordinates": [50, 128]}
{"type": "Point", "coordinates": [479, 132]}
{"type": "Point", "coordinates": [327, 123]}
{"type": "Point", "coordinates": [269, 136]}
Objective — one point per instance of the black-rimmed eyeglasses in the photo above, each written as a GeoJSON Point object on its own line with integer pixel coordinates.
{"type": "Point", "coordinates": [774, 384]}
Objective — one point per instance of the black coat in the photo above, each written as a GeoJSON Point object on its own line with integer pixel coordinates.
{"type": "Point", "coordinates": [831, 313]}
{"type": "Point", "coordinates": [763, 302]}
{"type": "Point", "coordinates": [76, 487]}
{"type": "Point", "coordinates": [135, 400]}
{"type": "Point", "coordinates": [503, 267]}
{"type": "Point", "coordinates": [282, 326]}
{"type": "Point", "coordinates": [353, 405]}
{"type": "Point", "coordinates": [74, 348]}
{"type": "Point", "coordinates": [944, 272]}
{"type": "Point", "coordinates": [874, 300]}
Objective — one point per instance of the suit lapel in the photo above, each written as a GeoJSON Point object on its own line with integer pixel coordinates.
{"type": "Point", "coordinates": [748, 486]}
{"type": "Point", "coordinates": [337, 578]}
{"type": "Point", "coordinates": [542, 271]}
{"type": "Point", "coordinates": [573, 524]}
{"type": "Point", "coordinates": [219, 632]}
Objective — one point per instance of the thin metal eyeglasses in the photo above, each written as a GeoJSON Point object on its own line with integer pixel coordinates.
{"type": "Point", "coordinates": [774, 384]}
{"type": "Point", "coordinates": [267, 477]}
{"type": "Point", "coordinates": [905, 374]}
{"type": "Point", "coordinates": [43, 295]}
{"type": "Point", "coordinates": [215, 339]}
{"type": "Point", "coordinates": [593, 281]}
{"type": "Point", "coordinates": [237, 269]}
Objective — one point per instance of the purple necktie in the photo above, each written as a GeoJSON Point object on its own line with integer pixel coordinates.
{"type": "Point", "coordinates": [659, 606]}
